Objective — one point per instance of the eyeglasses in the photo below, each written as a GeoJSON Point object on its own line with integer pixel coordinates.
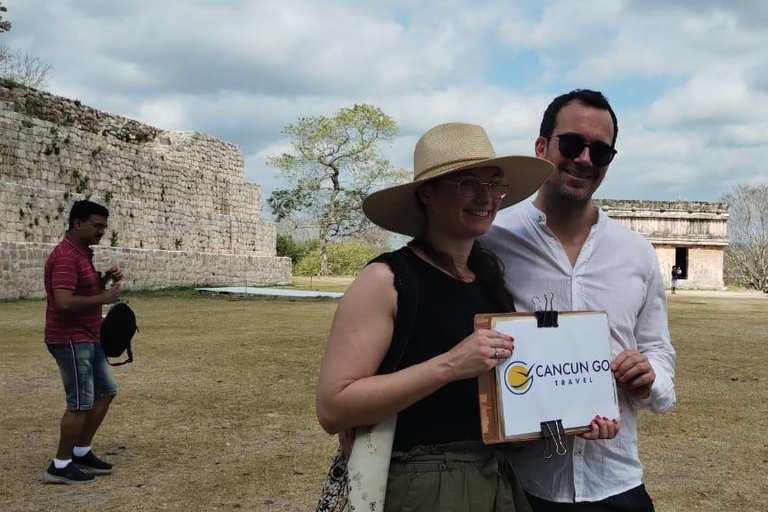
{"type": "Point", "coordinates": [571, 145]}
{"type": "Point", "coordinates": [470, 187]}
{"type": "Point", "coordinates": [99, 227]}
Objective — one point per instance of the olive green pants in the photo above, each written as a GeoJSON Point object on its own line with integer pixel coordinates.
{"type": "Point", "coordinates": [467, 477]}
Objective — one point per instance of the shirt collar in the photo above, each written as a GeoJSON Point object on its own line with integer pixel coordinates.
{"type": "Point", "coordinates": [535, 214]}
{"type": "Point", "coordinates": [540, 217]}
{"type": "Point", "coordinates": [85, 251]}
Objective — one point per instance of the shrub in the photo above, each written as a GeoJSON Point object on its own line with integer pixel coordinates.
{"type": "Point", "coordinates": [344, 259]}
{"type": "Point", "coordinates": [287, 246]}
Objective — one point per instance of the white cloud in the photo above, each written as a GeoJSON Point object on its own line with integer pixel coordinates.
{"type": "Point", "coordinates": [291, 47]}
{"type": "Point", "coordinates": [241, 70]}
{"type": "Point", "coordinates": [168, 112]}
{"type": "Point", "coordinates": [719, 97]}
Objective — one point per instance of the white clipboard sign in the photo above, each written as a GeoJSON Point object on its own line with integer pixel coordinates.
{"type": "Point", "coordinates": [557, 374]}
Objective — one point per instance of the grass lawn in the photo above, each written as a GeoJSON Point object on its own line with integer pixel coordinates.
{"type": "Point", "coordinates": [323, 284]}
{"type": "Point", "coordinates": [217, 411]}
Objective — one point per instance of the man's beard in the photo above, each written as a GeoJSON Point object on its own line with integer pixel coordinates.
{"type": "Point", "coordinates": [573, 196]}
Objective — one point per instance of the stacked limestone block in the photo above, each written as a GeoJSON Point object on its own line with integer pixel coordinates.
{"type": "Point", "coordinates": [175, 198]}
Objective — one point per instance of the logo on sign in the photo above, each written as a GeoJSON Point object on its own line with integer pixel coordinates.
{"type": "Point", "coordinates": [518, 377]}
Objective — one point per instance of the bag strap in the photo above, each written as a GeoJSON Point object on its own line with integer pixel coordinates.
{"type": "Point", "coordinates": [129, 360]}
{"type": "Point", "coordinates": [407, 307]}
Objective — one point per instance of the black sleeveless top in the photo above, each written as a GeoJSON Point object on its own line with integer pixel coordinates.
{"type": "Point", "coordinates": [446, 311]}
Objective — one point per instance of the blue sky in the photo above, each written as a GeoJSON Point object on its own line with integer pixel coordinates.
{"type": "Point", "coordinates": [688, 81]}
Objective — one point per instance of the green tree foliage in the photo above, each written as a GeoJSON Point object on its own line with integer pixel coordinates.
{"type": "Point", "coordinates": [746, 259]}
{"type": "Point", "coordinates": [287, 246]}
{"type": "Point", "coordinates": [335, 163]}
{"type": "Point", "coordinates": [344, 259]}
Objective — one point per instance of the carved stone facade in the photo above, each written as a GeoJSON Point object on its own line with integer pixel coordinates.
{"type": "Point", "coordinates": [181, 211]}
{"type": "Point", "coordinates": [691, 235]}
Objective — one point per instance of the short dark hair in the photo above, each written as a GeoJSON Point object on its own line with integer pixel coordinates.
{"type": "Point", "coordinates": [82, 210]}
{"type": "Point", "coordinates": [588, 97]}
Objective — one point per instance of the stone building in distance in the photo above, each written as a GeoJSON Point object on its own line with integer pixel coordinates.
{"type": "Point", "coordinates": [691, 235]}
{"type": "Point", "coordinates": [181, 211]}
{"type": "Point", "coordinates": [183, 214]}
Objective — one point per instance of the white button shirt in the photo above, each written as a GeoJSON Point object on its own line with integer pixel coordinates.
{"type": "Point", "coordinates": [616, 271]}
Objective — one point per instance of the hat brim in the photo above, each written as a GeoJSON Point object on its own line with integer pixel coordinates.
{"type": "Point", "coordinates": [397, 209]}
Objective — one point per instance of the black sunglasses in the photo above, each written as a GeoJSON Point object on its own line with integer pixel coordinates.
{"type": "Point", "coordinates": [571, 145]}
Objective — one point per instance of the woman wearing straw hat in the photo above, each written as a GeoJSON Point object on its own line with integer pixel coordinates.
{"type": "Point", "coordinates": [438, 460]}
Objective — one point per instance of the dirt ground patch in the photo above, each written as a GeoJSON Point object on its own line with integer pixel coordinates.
{"type": "Point", "coordinates": [217, 411]}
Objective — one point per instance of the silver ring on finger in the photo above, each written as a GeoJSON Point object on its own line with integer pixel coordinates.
{"type": "Point", "coordinates": [496, 353]}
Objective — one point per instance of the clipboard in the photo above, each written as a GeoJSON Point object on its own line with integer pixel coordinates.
{"type": "Point", "coordinates": [555, 382]}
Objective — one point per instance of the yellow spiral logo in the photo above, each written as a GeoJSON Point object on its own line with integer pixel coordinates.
{"type": "Point", "coordinates": [518, 377]}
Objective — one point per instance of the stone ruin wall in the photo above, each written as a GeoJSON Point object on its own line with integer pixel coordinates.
{"type": "Point", "coordinates": [699, 226]}
{"type": "Point", "coordinates": [672, 222]}
{"type": "Point", "coordinates": [705, 267]}
{"type": "Point", "coordinates": [181, 211]}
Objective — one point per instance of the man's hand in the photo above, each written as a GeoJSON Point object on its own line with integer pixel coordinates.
{"type": "Point", "coordinates": [634, 373]}
{"type": "Point", "coordinates": [115, 273]}
{"type": "Point", "coordinates": [111, 294]}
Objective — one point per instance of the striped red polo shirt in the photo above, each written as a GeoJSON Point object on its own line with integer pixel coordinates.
{"type": "Point", "coordinates": [70, 267]}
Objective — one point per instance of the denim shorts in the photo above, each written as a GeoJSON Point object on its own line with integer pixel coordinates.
{"type": "Point", "coordinates": [85, 372]}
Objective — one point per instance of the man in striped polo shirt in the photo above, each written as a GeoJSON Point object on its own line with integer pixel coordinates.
{"type": "Point", "coordinates": [75, 293]}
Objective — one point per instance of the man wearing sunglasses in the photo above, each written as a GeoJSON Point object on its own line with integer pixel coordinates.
{"type": "Point", "coordinates": [562, 244]}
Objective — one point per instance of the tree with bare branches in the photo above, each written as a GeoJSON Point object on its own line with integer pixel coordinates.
{"type": "Point", "coordinates": [25, 69]}
{"type": "Point", "coordinates": [334, 165]}
{"type": "Point", "coordinates": [19, 66]}
{"type": "Point", "coordinates": [746, 259]}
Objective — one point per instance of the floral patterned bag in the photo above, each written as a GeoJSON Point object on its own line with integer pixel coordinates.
{"type": "Point", "coordinates": [360, 482]}
{"type": "Point", "coordinates": [335, 490]}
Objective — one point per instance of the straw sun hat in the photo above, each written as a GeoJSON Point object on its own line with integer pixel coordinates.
{"type": "Point", "coordinates": [445, 149]}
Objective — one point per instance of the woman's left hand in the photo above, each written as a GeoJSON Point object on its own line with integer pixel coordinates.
{"type": "Point", "coordinates": [479, 352]}
{"type": "Point", "coordinates": [602, 428]}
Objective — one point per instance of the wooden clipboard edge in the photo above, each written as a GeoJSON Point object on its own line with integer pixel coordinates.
{"type": "Point", "coordinates": [491, 420]}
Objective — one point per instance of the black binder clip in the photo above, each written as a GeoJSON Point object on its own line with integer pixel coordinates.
{"type": "Point", "coordinates": [553, 434]}
{"type": "Point", "coordinates": [548, 316]}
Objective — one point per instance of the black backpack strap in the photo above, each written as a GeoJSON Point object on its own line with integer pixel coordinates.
{"type": "Point", "coordinates": [121, 363]}
{"type": "Point", "coordinates": [407, 307]}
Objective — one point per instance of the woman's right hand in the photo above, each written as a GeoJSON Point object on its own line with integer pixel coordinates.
{"type": "Point", "coordinates": [479, 352]}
